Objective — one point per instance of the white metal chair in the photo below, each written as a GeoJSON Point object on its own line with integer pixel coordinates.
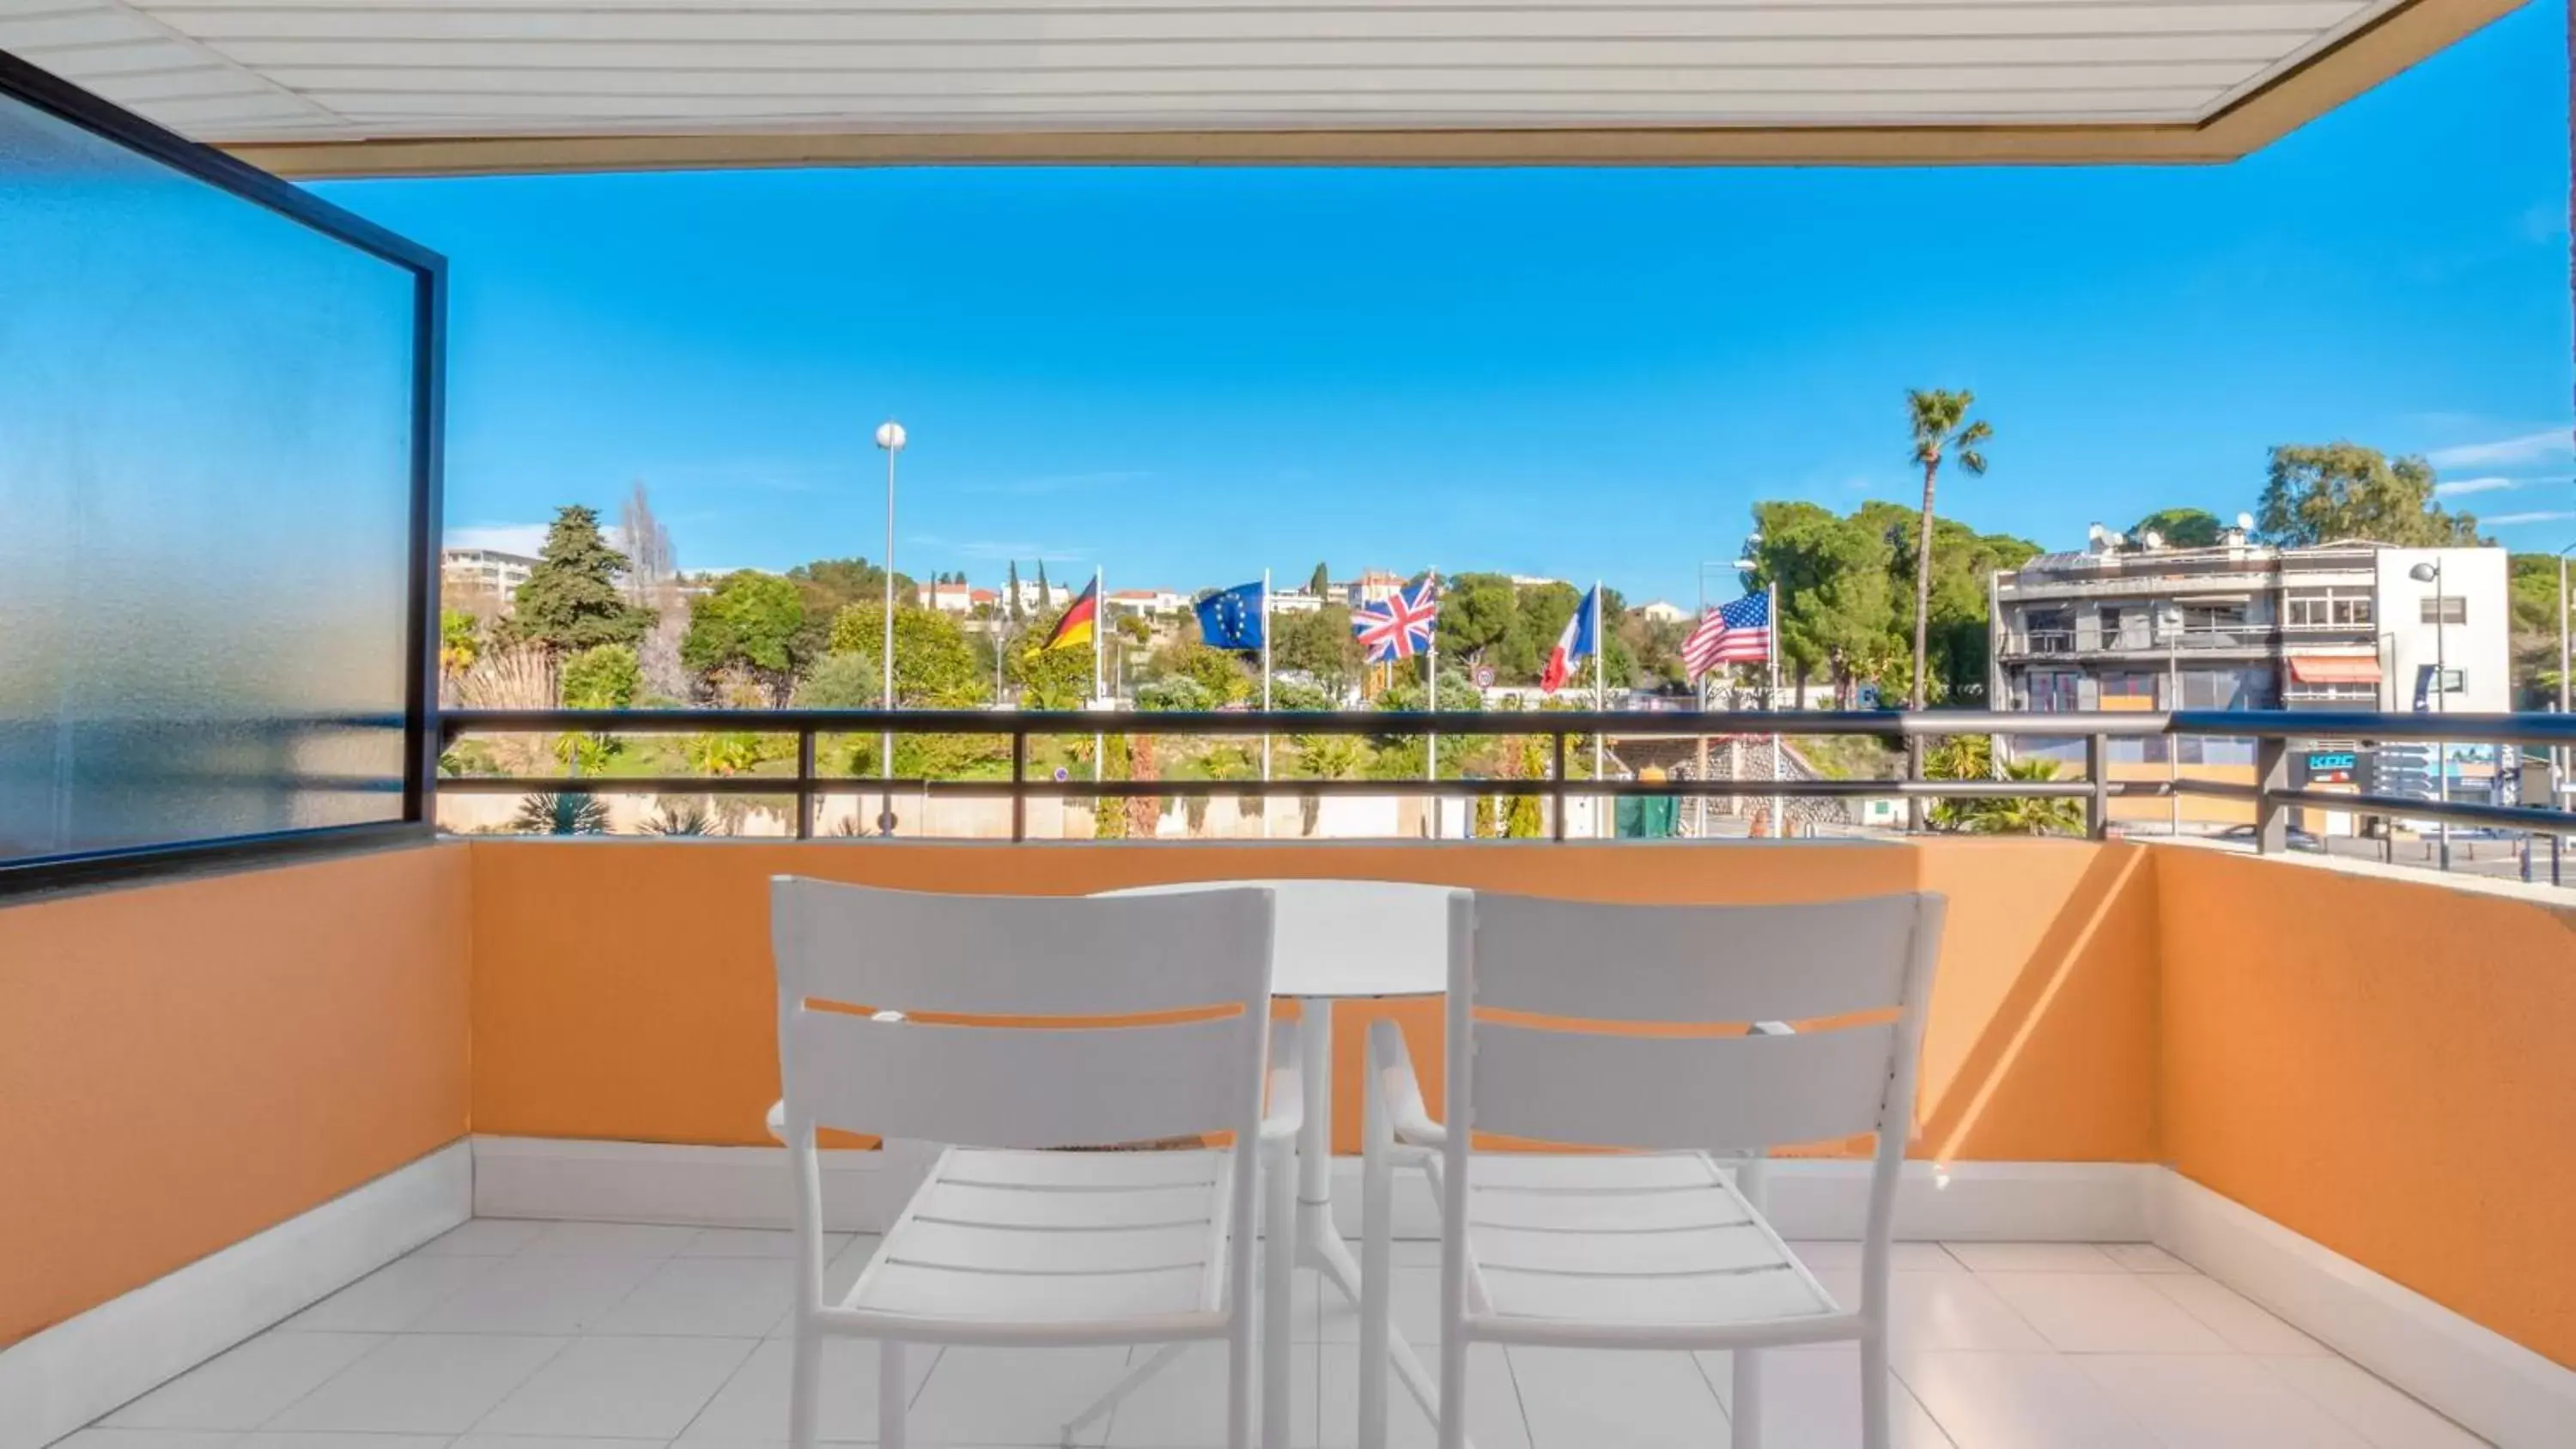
{"type": "Point", "coordinates": [1664, 1247]}
{"type": "Point", "coordinates": [1008, 1241]}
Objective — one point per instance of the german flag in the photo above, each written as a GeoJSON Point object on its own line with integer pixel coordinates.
{"type": "Point", "coordinates": [1081, 619]}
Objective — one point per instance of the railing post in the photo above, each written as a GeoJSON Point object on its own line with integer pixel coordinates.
{"type": "Point", "coordinates": [1556, 784]}
{"type": "Point", "coordinates": [2097, 809]}
{"type": "Point", "coordinates": [1019, 782]}
{"type": "Point", "coordinates": [2271, 775]}
{"type": "Point", "coordinates": [805, 783]}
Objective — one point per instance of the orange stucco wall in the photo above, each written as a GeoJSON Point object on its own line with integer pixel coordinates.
{"type": "Point", "coordinates": [184, 1065]}
{"type": "Point", "coordinates": [2380, 1065]}
{"type": "Point", "coordinates": [648, 1014]}
{"type": "Point", "coordinates": [2386, 1067]}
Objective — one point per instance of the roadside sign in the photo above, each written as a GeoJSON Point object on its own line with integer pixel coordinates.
{"type": "Point", "coordinates": [1484, 676]}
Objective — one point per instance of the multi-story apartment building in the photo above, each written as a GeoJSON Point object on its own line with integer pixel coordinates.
{"type": "Point", "coordinates": [484, 570]}
{"type": "Point", "coordinates": [2342, 626]}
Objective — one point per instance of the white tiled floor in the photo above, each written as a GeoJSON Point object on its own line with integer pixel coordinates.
{"type": "Point", "coordinates": [507, 1335]}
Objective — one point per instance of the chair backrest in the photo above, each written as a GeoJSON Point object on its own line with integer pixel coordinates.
{"type": "Point", "coordinates": [844, 952]}
{"type": "Point", "coordinates": [1854, 974]}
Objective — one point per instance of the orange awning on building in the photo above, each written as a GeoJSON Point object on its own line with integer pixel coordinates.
{"type": "Point", "coordinates": [2334, 670]}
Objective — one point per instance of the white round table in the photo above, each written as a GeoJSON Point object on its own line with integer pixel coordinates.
{"type": "Point", "coordinates": [1340, 940]}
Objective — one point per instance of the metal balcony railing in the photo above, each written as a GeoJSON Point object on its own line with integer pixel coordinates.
{"type": "Point", "coordinates": [2271, 792]}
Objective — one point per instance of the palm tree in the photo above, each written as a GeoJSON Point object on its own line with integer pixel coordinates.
{"type": "Point", "coordinates": [1942, 431]}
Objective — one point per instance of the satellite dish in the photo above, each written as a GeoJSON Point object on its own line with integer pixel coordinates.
{"type": "Point", "coordinates": [2154, 539]}
{"type": "Point", "coordinates": [2245, 522]}
{"type": "Point", "coordinates": [2095, 534]}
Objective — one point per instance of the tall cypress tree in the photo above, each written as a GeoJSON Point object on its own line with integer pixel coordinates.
{"type": "Point", "coordinates": [572, 600]}
{"type": "Point", "coordinates": [1011, 591]}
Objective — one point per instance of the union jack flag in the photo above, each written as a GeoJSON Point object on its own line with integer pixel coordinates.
{"type": "Point", "coordinates": [1400, 626]}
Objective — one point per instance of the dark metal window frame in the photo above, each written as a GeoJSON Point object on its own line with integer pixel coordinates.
{"type": "Point", "coordinates": [24, 83]}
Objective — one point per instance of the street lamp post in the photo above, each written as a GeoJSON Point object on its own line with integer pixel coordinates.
{"type": "Point", "coordinates": [890, 440]}
{"type": "Point", "coordinates": [2430, 572]}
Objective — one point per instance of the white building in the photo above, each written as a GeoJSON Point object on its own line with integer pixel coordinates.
{"type": "Point", "coordinates": [1146, 603]}
{"type": "Point", "coordinates": [1033, 599]}
{"type": "Point", "coordinates": [487, 570]}
{"type": "Point", "coordinates": [1375, 586]}
{"type": "Point", "coordinates": [1661, 612]}
{"type": "Point", "coordinates": [948, 598]}
{"type": "Point", "coordinates": [1295, 601]}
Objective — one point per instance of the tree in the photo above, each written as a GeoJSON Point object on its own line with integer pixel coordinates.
{"type": "Point", "coordinates": [829, 585]}
{"type": "Point", "coordinates": [561, 813]}
{"type": "Point", "coordinates": [1046, 600]}
{"type": "Point", "coordinates": [1320, 582]}
{"type": "Point", "coordinates": [460, 642]}
{"type": "Point", "coordinates": [573, 599]}
{"type": "Point", "coordinates": [2317, 494]}
{"type": "Point", "coordinates": [1319, 645]}
{"type": "Point", "coordinates": [1049, 678]}
{"type": "Point", "coordinates": [2180, 528]}
{"type": "Point", "coordinates": [1837, 591]}
{"type": "Point", "coordinates": [1221, 674]}
{"type": "Point", "coordinates": [935, 667]}
{"type": "Point", "coordinates": [1011, 590]}
{"type": "Point", "coordinates": [754, 625]}
{"type": "Point", "coordinates": [651, 563]}
{"type": "Point", "coordinates": [1942, 432]}
{"type": "Point", "coordinates": [606, 676]}
{"type": "Point", "coordinates": [1479, 618]}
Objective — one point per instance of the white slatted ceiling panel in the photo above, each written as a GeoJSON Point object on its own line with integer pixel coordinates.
{"type": "Point", "coordinates": [248, 70]}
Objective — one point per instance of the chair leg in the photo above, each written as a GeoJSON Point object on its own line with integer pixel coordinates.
{"type": "Point", "coordinates": [1278, 1292]}
{"type": "Point", "coordinates": [1377, 1251]}
{"type": "Point", "coordinates": [1874, 1427]}
{"type": "Point", "coordinates": [1453, 1389]}
{"type": "Point", "coordinates": [805, 1390]}
{"type": "Point", "coordinates": [1238, 1384]}
{"type": "Point", "coordinates": [891, 1394]}
{"type": "Point", "coordinates": [1744, 1418]}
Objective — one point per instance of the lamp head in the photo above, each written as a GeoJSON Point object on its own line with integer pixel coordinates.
{"type": "Point", "coordinates": [2425, 573]}
{"type": "Point", "coordinates": [890, 436]}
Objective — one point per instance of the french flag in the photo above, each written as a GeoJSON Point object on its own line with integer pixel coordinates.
{"type": "Point", "coordinates": [1581, 637]}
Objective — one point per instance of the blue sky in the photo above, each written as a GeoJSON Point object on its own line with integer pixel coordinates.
{"type": "Point", "coordinates": [1188, 375]}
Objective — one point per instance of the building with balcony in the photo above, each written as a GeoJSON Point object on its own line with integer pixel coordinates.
{"type": "Point", "coordinates": [2340, 627]}
{"type": "Point", "coordinates": [2243, 626]}
{"type": "Point", "coordinates": [486, 571]}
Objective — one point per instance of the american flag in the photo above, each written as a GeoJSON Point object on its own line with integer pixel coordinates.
{"type": "Point", "coordinates": [1738, 633]}
{"type": "Point", "coordinates": [1400, 626]}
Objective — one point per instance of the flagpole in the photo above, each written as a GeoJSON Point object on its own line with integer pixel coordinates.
{"type": "Point", "coordinates": [1600, 705]}
{"type": "Point", "coordinates": [1771, 700]}
{"type": "Point", "coordinates": [1099, 681]}
{"type": "Point", "coordinates": [1431, 749]}
{"type": "Point", "coordinates": [1265, 697]}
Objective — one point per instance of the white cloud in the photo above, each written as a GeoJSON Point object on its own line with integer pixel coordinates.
{"type": "Point", "coordinates": [2472, 485]}
{"type": "Point", "coordinates": [2508, 520]}
{"type": "Point", "coordinates": [518, 538]}
{"type": "Point", "coordinates": [2528, 448]}
{"type": "Point", "coordinates": [1002, 548]}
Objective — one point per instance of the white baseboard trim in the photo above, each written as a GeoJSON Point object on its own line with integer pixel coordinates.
{"type": "Point", "coordinates": [54, 1381]}
{"type": "Point", "coordinates": [660, 1182]}
{"type": "Point", "coordinates": [2504, 1392]}
{"type": "Point", "coordinates": [2066, 1202]}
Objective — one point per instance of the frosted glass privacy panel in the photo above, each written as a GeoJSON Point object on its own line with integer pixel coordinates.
{"type": "Point", "coordinates": [205, 508]}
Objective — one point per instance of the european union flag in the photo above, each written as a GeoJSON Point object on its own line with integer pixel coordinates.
{"type": "Point", "coordinates": [1231, 618]}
